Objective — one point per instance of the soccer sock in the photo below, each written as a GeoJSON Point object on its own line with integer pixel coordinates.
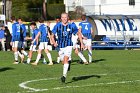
{"type": "Point", "coordinates": [58, 59]}
{"type": "Point", "coordinates": [65, 69]}
{"type": "Point", "coordinates": [20, 55]}
{"type": "Point", "coordinates": [38, 58]}
{"type": "Point", "coordinates": [24, 52]}
{"type": "Point", "coordinates": [28, 60]}
{"type": "Point", "coordinates": [90, 55]}
{"type": "Point", "coordinates": [49, 57]}
{"type": "Point", "coordinates": [16, 56]}
{"type": "Point", "coordinates": [82, 57]}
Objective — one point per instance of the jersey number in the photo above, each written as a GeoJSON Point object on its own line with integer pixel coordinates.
{"type": "Point", "coordinates": [86, 27]}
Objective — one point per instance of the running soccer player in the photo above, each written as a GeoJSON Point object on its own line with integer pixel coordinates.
{"type": "Point", "coordinates": [43, 33]}
{"type": "Point", "coordinates": [86, 29]}
{"type": "Point", "coordinates": [64, 31]}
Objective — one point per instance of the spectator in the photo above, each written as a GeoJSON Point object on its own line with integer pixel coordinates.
{"type": "Point", "coordinates": [2, 37]}
{"type": "Point", "coordinates": [8, 39]}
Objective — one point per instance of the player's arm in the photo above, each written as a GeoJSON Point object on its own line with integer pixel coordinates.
{"type": "Point", "coordinates": [49, 35]}
{"type": "Point", "coordinates": [81, 40]}
{"type": "Point", "coordinates": [37, 36]}
{"type": "Point", "coordinates": [79, 36]}
{"type": "Point", "coordinates": [53, 40]}
{"type": "Point", "coordinates": [52, 36]}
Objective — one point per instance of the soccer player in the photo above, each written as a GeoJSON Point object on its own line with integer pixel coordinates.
{"type": "Point", "coordinates": [18, 36]}
{"type": "Point", "coordinates": [33, 46]}
{"type": "Point", "coordinates": [64, 31]}
{"type": "Point", "coordinates": [86, 29]}
{"type": "Point", "coordinates": [76, 45]}
{"type": "Point", "coordinates": [43, 33]}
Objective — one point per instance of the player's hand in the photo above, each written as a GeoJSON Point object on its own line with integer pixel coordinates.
{"type": "Point", "coordinates": [82, 46]}
{"type": "Point", "coordinates": [32, 42]}
{"type": "Point", "coordinates": [55, 44]}
{"type": "Point", "coordinates": [85, 38]}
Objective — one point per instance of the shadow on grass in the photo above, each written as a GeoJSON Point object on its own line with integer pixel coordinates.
{"type": "Point", "coordinates": [99, 60]}
{"type": "Point", "coordinates": [5, 69]}
{"type": "Point", "coordinates": [74, 79]}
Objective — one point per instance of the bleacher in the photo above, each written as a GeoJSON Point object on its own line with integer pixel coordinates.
{"type": "Point", "coordinates": [103, 42]}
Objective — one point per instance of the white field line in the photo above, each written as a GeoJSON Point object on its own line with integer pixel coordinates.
{"type": "Point", "coordinates": [24, 84]}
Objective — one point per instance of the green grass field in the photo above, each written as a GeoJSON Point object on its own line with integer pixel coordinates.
{"type": "Point", "coordinates": [113, 71]}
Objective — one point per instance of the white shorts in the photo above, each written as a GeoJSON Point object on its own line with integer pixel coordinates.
{"type": "Point", "coordinates": [18, 44]}
{"type": "Point", "coordinates": [43, 45]}
{"type": "Point", "coordinates": [87, 42]}
{"type": "Point", "coordinates": [65, 52]}
{"type": "Point", "coordinates": [76, 46]}
{"type": "Point", "coordinates": [33, 48]}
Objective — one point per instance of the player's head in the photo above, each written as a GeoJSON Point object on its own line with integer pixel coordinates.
{"type": "Point", "coordinates": [64, 18]}
{"type": "Point", "coordinates": [20, 20]}
{"type": "Point", "coordinates": [33, 25]}
{"type": "Point", "coordinates": [41, 20]}
{"type": "Point", "coordinates": [83, 17]}
{"type": "Point", "coordinates": [57, 19]}
{"type": "Point", "coordinates": [13, 19]}
{"type": "Point", "coordinates": [2, 27]}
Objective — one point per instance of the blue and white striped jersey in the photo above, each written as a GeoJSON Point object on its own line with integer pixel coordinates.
{"type": "Point", "coordinates": [64, 34]}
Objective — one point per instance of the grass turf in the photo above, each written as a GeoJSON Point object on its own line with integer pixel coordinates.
{"type": "Point", "coordinates": [113, 71]}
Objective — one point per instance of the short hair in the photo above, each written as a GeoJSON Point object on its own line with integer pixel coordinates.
{"type": "Point", "coordinates": [65, 14]}
{"type": "Point", "coordinates": [83, 17]}
{"type": "Point", "coordinates": [33, 23]}
{"type": "Point", "coordinates": [13, 18]}
{"type": "Point", "coordinates": [41, 20]}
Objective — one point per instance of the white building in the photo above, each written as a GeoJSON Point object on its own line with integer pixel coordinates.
{"type": "Point", "coordinates": [104, 7]}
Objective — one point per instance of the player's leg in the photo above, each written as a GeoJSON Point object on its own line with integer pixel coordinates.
{"type": "Point", "coordinates": [41, 47]}
{"type": "Point", "coordinates": [32, 48]}
{"type": "Point", "coordinates": [81, 56]}
{"type": "Point", "coordinates": [48, 53]}
{"type": "Point", "coordinates": [3, 44]}
{"type": "Point", "coordinates": [15, 48]}
{"type": "Point", "coordinates": [89, 50]}
{"type": "Point", "coordinates": [22, 49]}
{"type": "Point", "coordinates": [67, 53]}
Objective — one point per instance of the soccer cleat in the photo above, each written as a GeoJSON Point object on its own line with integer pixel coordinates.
{"type": "Point", "coordinates": [50, 64]}
{"type": "Point", "coordinates": [16, 62]}
{"type": "Point", "coordinates": [34, 64]}
{"type": "Point", "coordinates": [63, 79]}
{"type": "Point", "coordinates": [86, 63]}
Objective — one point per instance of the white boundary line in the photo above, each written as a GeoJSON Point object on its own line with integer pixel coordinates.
{"type": "Point", "coordinates": [23, 85]}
